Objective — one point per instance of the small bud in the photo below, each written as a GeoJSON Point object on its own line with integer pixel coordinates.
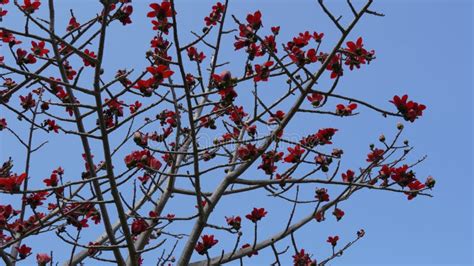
{"type": "Point", "coordinates": [360, 233]}
{"type": "Point", "coordinates": [372, 146]}
{"type": "Point", "coordinates": [399, 126]}
{"type": "Point", "coordinates": [405, 142]}
{"type": "Point", "coordinates": [430, 182]}
{"type": "Point", "coordinates": [382, 138]}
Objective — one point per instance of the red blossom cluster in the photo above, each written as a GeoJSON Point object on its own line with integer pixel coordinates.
{"type": "Point", "coordinates": [207, 243]}
{"type": "Point", "coordinates": [410, 110]}
{"type": "Point", "coordinates": [142, 159]}
{"type": "Point", "coordinates": [215, 14]}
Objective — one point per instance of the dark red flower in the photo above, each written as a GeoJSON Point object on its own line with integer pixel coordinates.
{"type": "Point", "coordinates": [348, 176]}
{"type": "Point", "coordinates": [135, 106]}
{"type": "Point", "coordinates": [194, 55]}
{"type": "Point", "coordinates": [268, 161]}
{"type": "Point", "coordinates": [262, 71]}
{"type": "Point", "coordinates": [415, 185]}
{"type": "Point", "coordinates": [35, 199]}
{"type": "Point", "coordinates": [52, 181]}
{"type": "Point", "coordinates": [160, 11]}
{"type": "Point", "coordinates": [12, 183]}
{"type": "Point", "coordinates": [3, 124]}
{"type": "Point", "coordinates": [256, 215]}
{"type": "Point", "coordinates": [42, 259]}
{"type": "Point", "coordinates": [159, 73]}
{"type": "Point", "coordinates": [277, 117]}
{"type": "Point", "coordinates": [275, 30]}
{"type": "Point", "coordinates": [375, 155]}
{"type": "Point", "coordinates": [302, 258]}
{"type": "Point", "coordinates": [138, 226]}
{"type": "Point", "coordinates": [234, 222]}
{"type": "Point", "coordinates": [322, 194]}
{"type": "Point", "coordinates": [23, 57]}
{"type": "Point", "coordinates": [343, 110]}
{"type": "Point", "coordinates": [23, 251]}
{"type": "Point", "coordinates": [255, 20]}
{"type": "Point", "coordinates": [30, 7]}
{"type": "Point", "coordinates": [247, 152]}
{"type": "Point", "coordinates": [208, 242]}
{"type": "Point", "coordinates": [295, 154]}
{"type": "Point", "coordinates": [409, 109]}
{"type": "Point", "coordinates": [215, 14]}
{"type": "Point", "coordinates": [73, 24]}
{"type": "Point", "coordinates": [318, 36]}
{"type": "Point", "coordinates": [333, 240]}
{"type": "Point", "coordinates": [123, 15]}
{"type": "Point", "coordinates": [315, 99]}
{"type": "Point", "coordinates": [142, 159]}
{"type": "Point", "coordinates": [52, 126]}
{"type": "Point", "coordinates": [335, 66]}
{"type": "Point", "coordinates": [338, 213]}
{"type": "Point", "coordinates": [38, 48]}
{"type": "Point", "coordinates": [86, 61]}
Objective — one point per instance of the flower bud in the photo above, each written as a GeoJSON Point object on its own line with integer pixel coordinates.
{"type": "Point", "coordinates": [399, 126]}
{"type": "Point", "coordinates": [382, 138]}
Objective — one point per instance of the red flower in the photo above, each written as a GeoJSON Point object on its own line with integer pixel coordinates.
{"type": "Point", "coordinates": [159, 73]}
{"type": "Point", "coordinates": [275, 30]}
{"type": "Point", "coordinates": [3, 124]}
{"type": "Point", "coordinates": [52, 126]}
{"type": "Point", "coordinates": [375, 156]}
{"type": "Point", "coordinates": [135, 106]}
{"type": "Point", "coordinates": [302, 259]}
{"type": "Point", "coordinates": [409, 109]}
{"type": "Point", "coordinates": [12, 183]}
{"type": "Point", "coordinates": [160, 11]}
{"type": "Point", "coordinates": [415, 185]}
{"type": "Point", "coordinates": [123, 15]}
{"type": "Point", "coordinates": [208, 242]}
{"type": "Point", "coordinates": [333, 240]}
{"type": "Point", "coordinates": [315, 99]}
{"type": "Point", "coordinates": [24, 58]}
{"type": "Point", "coordinates": [73, 24]}
{"type": "Point", "coordinates": [255, 20]}
{"type": "Point", "coordinates": [38, 48]}
{"type": "Point", "coordinates": [29, 7]}
{"type": "Point", "coordinates": [24, 251]}
{"type": "Point", "coordinates": [268, 161]}
{"type": "Point", "coordinates": [322, 194]}
{"type": "Point", "coordinates": [42, 259]}
{"type": "Point", "coordinates": [319, 216]}
{"type": "Point", "coordinates": [278, 116]}
{"type": "Point", "coordinates": [27, 102]}
{"type": "Point", "coordinates": [348, 176]}
{"type": "Point", "coordinates": [142, 159]}
{"type": "Point", "coordinates": [247, 152]}
{"type": "Point", "coordinates": [318, 37]}
{"type": "Point", "coordinates": [215, 14]}
{"type": "Point", "coordinates": [234, 222]}
{"type": "Point", "coordinates": [335, 66]}
{"type": "Point", "coordinates": [139, 226]}
{"type": "Point", "coordinates": [345, 110]}
{"type": "Point", "coordinates": [338, 213]}
{"type": "Point", "coordinates": [35, 199]}
{"type": "Point", "coordinates": [402, 177]}
{"type": "Point", "coordinates": [194, 55]}
{"type": "Point", "coordinates": [357, 55]}
{"type": "Point", "coordinates": [52, 181]}
{"type": "Point", "coordinates": [262, 71]}
{"type": "Point", "coordinates": [256, 215]}
{"type": "Point", "coordinates": [295, 154]}
{"type": "Point", "coordinates": [86, 61]}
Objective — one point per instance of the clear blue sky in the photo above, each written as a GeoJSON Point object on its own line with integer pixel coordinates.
{"type": "Point", "coordinates": [423, 48]}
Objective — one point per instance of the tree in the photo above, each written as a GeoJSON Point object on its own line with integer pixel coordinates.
{"type": "Point", "coordinates": [187, 136]}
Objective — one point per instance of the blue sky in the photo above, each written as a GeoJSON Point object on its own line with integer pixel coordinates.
{"type": "Point", "coordinates": [423, 48]}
